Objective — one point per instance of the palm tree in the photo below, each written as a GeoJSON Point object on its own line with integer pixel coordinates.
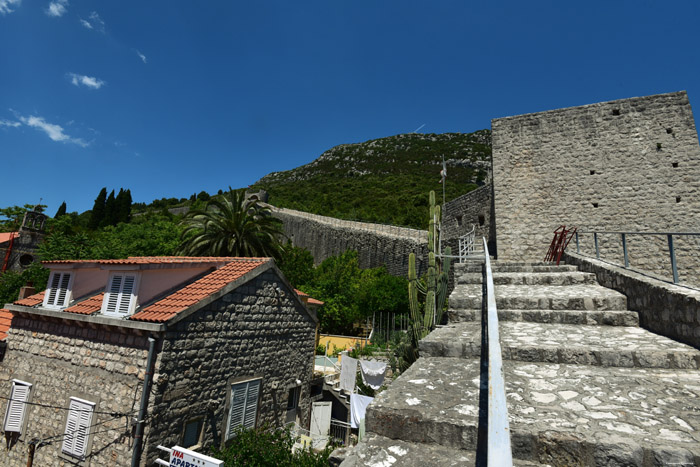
{"type": "Point", "coordinates": [231, 225]}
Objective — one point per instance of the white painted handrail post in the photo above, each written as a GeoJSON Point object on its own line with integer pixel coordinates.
{"type": "Point", "coordinates": [499, 453]}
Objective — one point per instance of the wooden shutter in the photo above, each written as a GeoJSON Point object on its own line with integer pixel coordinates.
{"type": "Point", "coordinates": [16, 407]}
{"type": "Point", "coordinates": [58, 294]}
{"type": "Point", "coordinates": [251, 406]}
{"type": "Point", "coordinates": [244, 406]}
{"type": "Point", "coordinates": [121, 294]}
{"type": "Point", "coordinates": [78, 425]}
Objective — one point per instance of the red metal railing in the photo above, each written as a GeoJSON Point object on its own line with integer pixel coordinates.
{"type": "Point", "coordinates": [562, 237]}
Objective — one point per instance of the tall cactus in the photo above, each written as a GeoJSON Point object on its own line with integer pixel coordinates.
{"type": "Point", "coordinates": [436, 278]}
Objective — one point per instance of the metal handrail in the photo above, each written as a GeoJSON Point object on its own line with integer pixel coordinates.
{"type": "Point", "coordinates": [499, 451]}
{"type": "Point", "coordinates": [623, 239]}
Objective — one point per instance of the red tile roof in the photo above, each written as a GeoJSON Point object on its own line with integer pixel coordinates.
{"type": "Point", "coordinates": [156, 260]}
{"type": "Point", "coordinates": [89, 306]}
{"type": "Point", "coordinates": [300, 293]}
{"type": "Point", "coordinates": [313, 301]}
{"type": "Point", "coordinates": [180, 300]}
{"type": "Point", "coordinates": [6, 236]}
{"type": "Point", "coordinates": [32, 300]}
{"type": "Point", "coordinates": [5, 322]}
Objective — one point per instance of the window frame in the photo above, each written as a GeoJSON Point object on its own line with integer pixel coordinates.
{"type": "Point", "coordinates": [293, 400]}
{"type": "Point", "coordinates": [231, 385]}
{"type": "Point", "coordinates": [133, 298]}
{"type": "Point", "coordinates": [22, 425]}
{"type": "Point", "coordinates": [88, 438]}
{"type": "Point", "coordinates": [53, 304]}
{"type": "Point", "coordinates": [200, 433]}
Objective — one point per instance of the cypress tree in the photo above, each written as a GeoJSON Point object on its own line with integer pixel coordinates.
{"type": "Point", "coordinates": [61, 211]}
{"type": "Point", "coordinates": [110, 211]}
{"type": "Point", "coordinates": [123, 206]}
{"type": "Point", "coordinates": [98, 209]}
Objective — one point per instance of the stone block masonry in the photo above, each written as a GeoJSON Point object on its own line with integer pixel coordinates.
{"type": "Point", "coordinates": [376, 244]}
{"type": "Point", "coordinates": [625, 165]}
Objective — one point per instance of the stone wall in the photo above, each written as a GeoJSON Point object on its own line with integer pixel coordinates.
{"type": "Point", "coordinates": [625, 165]}
{"type": "Point", "coordinates": [376, 244]}
{"type": "Point", "coordinates": [24, 250]}
{"type": "Point", "coordinates": [471, 209]}
{"type": "Point", "coordinates": [258, 330]}
{"type": "Point", "coordinates": [670, 310]}
{"type": "Point", "coordinates": [62, 361]}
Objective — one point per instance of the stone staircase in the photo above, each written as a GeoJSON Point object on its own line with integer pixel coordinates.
{"type": "Point", "coordinates": [585, 385]}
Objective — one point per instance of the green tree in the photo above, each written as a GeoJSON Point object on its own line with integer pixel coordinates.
{"type": "Point", "coordinates": [231, 226]}
{"type": "Point", "coordinates": [11, 281]}
{"type": "Point", "coordinates": [98, 209]}
{"type": "Point", "coordinates": [61, 211]}
{"type": "Point", "coordinates": [110, 217]}
{"type": "Point", "coordinates": [263, 447]}
{"type": "Point", "coordinates": [123, 206]}
{"type": "Point", "coordinates": [297, 265]}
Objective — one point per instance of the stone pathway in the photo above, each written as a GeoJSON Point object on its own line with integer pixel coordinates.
{"type": "Point", "coordinates": [585, 385]}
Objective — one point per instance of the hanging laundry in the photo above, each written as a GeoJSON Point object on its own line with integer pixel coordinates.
{"type": "Point", "coordinates": [348, 373]}
{"type": "Point", "coordinates": [358, 408]}
{"type": "Point", "coordinates": [373, 373]}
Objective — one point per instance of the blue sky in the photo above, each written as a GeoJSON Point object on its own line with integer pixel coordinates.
{"type": "Point", "coordinates": [171, 98]}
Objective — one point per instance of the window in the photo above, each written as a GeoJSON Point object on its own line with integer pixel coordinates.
{"type": "Point", "coordinates": [17, 407]}
{"type": "Point", "coordinates": [58, 294]}
{"type": "Point", "coordinates": [120, 299]}
{"type": "Point", "coordinates": [78, 424]}
{"type": "Point", "coordinates": [243, 408]}
{"type": "Point", "coordinates": [292, 404]}
{"type": "Point", "coordinates": [193, 432]}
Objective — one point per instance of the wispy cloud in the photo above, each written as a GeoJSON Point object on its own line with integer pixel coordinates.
{"type": "Point", "coordinates": [55, 132]}
{"type": "Point", "coordinates": [88, 81]}
{"type": "Point", "coordinates": [57, 8]}
{"type": "Point", "coordinates": [94, 22]}
{"type": "Point", "coordinates": [142, 57]}
{"type": "Point", "coordinates": [9, 123]}
{"type": "Point", "coordinates": [6, 6]}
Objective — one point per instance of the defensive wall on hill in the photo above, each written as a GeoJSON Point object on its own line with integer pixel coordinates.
{"type": "Point", "coordinates": [625, 165]}
{"type": "Point", "coordinates": [376, 244]}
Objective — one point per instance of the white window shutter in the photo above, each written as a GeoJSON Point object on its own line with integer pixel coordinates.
{"type": "Point", "coordinates": [251, 408]}
{"type": "Point", "coordinates": [53, 289]}
{"type": "Point", "coordinates": [244, 406]}
{"type": "Point", "coordinates": [121, 294]}
{"type": "Point", "coordinates": [78, 423]}
{"type": "Point", "coordinates": [16, 408]}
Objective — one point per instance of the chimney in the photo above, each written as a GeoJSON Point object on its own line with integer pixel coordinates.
{"type": "Point", "coordinates": [26, 291]}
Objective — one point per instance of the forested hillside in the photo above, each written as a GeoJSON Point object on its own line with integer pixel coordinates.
{"type": "Point", "coordinates": [385, 180]}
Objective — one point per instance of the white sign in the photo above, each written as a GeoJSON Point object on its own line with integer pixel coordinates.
{"type": "Point", "coordinates": [181, 457]}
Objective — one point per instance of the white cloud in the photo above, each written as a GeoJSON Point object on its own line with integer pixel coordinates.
{"type": "Point", "coordinates": [142, 57]}
{"type": "Point", "coordinates": [94, 22]}
{"type": "Point", "coordinates": [55, 132]}
{"type": "Point", "coordinates": [9, 123]}
{"type": "Point", "coordinates": [89, 81]}
{"type": "Point", "coordinates": [57, 8]}
{"type": "Point", "coordinates": [6, 6]}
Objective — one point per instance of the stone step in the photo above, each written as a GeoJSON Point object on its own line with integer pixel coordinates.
{"type": "Point", "coordinates": [583, 317]}
{"type": "Point", "coordinates": [496, 266]}
{"type": "Point", "coordinates": [559, 414]}
{"type": "Point", "coordinates": [618, 346]}
{"type": "Point", "coordinates": [531, 278]}
{"type": "Point", "coordinates": [541, 297]}
{"type": "Point", "coordinates": [375, 450]}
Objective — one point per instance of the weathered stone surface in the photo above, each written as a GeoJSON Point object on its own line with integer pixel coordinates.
{"type": "Point", "coordinates": [380, 451]}
{"type": "Point", "coordinates": [667, 309]}
{"type": "Point", "coordinates": [534, 278]}
{"type": "Point", "coordinates": [624, 165]}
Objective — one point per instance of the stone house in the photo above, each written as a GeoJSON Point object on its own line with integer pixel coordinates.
{"type": "Point", "coordinates": [231, 344]}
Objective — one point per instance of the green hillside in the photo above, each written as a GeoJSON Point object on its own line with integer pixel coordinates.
{"type": "Point", "coordinates": [385, 180]}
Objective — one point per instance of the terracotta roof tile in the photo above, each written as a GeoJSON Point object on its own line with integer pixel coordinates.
{"type": "Point", "coordinates": [180, 300]}
{"type": "Point", "coordinates": [158, 260]}
{"type": "Point", "coordinates": [32, 300]}
{"type": "Point", "coordinates": [89, 306]}
{"type": "Point", "coordinates": [6, 236]}
{"type": "Point", "coordinates": [300, 293]}
{"type": "Point", "coordinates": [5, 322]}
{"type": "Point", "coordinates": [313, 301]}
